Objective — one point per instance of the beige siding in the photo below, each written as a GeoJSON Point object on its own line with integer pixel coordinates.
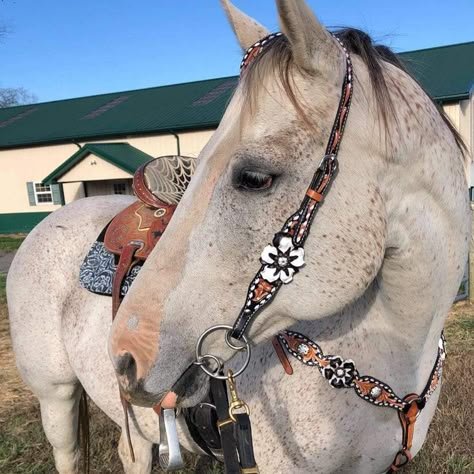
{"type": "Point", "coordinates": [20, 166]}
{"type": "Point", "coordinates": [29, 164]}
{"type": "Point", "coordinates": [461, 115]}
{"type": "Point", "coordinates": [73, 192]}
{"type": "Point", "coordinates": [93, 168]}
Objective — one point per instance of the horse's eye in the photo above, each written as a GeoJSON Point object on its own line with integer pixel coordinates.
{"type": "Point", "coordinates": [255, 180]}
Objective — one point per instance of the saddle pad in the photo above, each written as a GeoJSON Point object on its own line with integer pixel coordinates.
{"type": "Point", "coordinates": [98, 270]}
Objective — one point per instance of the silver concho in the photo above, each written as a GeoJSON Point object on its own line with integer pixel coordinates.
{"type": "Point", "coordinates": [303, 349]}
{"type": "Point", "coordinates": [375, 392]}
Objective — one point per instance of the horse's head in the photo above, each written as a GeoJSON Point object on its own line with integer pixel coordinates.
{"type": "Point", "coordinates": [251, 177]}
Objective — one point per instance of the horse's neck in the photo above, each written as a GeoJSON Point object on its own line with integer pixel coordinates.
{"type": "Point", "coordinates": [400, 317]}
{"type": "Point", "coordinates": [425, 194]}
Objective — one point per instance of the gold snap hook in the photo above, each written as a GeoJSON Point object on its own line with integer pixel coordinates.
{"type": "Point", "coordinates": [236, 404]}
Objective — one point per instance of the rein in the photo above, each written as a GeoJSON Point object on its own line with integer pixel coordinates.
{"type": "Point", "coordinates": [280, 261]}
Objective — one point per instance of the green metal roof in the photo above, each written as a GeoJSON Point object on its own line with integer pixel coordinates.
{"type": "Point", "coordinates": [190, 106]}
{"type": "Point", "coordinates": [122, 155]}
{"type": "Point", "coordinates": [446, 72]}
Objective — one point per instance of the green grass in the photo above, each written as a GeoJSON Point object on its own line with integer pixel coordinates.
{"type": "Point", "coordinates": [8, 244]}
{"type": "Point", "coordinates": [22, 449]}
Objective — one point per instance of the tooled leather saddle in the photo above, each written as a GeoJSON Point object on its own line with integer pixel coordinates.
{"type": "Point", "coordinates": [134, 232]}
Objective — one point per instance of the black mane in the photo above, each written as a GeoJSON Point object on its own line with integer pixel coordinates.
{"type": "Point", "coordinates": [360, 43]}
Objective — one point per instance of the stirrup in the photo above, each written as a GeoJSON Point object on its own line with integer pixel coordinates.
{"type": "Point", "coordinates": [169, 452]}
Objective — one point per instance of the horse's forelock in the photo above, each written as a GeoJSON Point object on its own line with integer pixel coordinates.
{"type": "Point", "coordinates": [275, 59]}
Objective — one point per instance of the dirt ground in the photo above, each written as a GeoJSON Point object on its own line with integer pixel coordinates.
{"type": "Point", "coordinates": [5, 260]}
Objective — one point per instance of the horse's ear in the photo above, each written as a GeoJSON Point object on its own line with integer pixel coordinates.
{"type": "Point", "coordinates": [313, 47]}
{"type": "Point", "coordinates": [247, 30]}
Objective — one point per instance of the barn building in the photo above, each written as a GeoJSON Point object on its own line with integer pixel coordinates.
{"type": "Point", "coordinates": [56, 152]}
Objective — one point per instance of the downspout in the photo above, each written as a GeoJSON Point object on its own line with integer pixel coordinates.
{"type": "Point", "coordinates": [84, 184]}
{"type": "Point", "coordinates": [471, 124]}
{"type": "Point", "coordinates": [178, 144]}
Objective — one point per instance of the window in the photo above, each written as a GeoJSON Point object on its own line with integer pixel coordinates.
{"type": "Point", "coordinates": [40, 193]}
{"type": "Point", "coordinates": [43, 193]}
{"type": "Point", "coordinates": [120, 188]}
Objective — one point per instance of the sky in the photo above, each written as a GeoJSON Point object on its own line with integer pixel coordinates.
{"type": "Point", "coordinates": [61, 49]}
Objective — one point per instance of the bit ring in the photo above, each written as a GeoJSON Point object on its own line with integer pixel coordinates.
{"type": "Point", "coordinates": [200, 358]}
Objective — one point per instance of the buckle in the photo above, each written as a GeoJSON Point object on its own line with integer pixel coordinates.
{"type": "Point", "coordinates": [411, 400]}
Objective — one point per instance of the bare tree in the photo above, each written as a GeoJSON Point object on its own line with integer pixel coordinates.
{"type": "Point", "coordinates": [4, 31]}
{"type": "Point", "coordinates": [10, 96]}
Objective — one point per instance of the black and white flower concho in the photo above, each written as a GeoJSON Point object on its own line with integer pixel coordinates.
{"type": "Point", "coordinates": [339, 372]}
{"type": "Point", "coordinates": [281, 260]}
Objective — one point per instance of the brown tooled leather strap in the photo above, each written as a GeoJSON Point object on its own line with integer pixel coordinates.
{"type": "Point", "coordinates": [256, 49]}
{"type": "Point", "coordinates": [280, 352]}
{"type": "Point", "coordinates": [408, 419]}
{"type": "Point", "coordinates": [123, 267]}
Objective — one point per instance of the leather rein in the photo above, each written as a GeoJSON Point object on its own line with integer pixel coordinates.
{"type": "Point", "coordinates": [280, 261]}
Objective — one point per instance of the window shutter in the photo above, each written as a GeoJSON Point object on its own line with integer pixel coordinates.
{"type": "Point", "coordinates": [57, 194]}
{"type": "Point", "coordinates": [31, 193]}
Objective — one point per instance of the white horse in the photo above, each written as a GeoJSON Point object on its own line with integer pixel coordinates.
{"type": "Point", "coordinates": [384, 260]}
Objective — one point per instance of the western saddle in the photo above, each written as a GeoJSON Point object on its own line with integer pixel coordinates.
{"type": "Point", "coordinates": [134, 232]}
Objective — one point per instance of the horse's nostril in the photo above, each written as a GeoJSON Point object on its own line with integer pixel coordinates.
{"type": "Point", "coordinates": [127, 366]}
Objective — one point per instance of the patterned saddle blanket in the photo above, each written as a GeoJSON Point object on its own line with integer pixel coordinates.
{"type": "Point", "coordinates": [159, 186]}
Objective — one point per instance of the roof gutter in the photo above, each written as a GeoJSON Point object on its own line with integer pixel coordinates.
{"type": "Point", "coordinates": [452, 98]}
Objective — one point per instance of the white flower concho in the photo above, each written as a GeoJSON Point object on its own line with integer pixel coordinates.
{"type": "Point", "coordinates": [282, 261]}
